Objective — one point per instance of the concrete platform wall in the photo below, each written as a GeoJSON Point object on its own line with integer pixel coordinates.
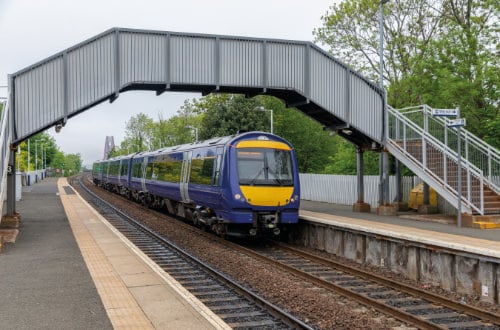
{"type": "Point", "coordinates": [454, 271]}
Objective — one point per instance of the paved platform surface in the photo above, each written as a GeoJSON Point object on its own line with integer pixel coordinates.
{"type": "Point", "coordinates": [44, 282]}
{"type": "Point", "coordinates": [70, 269]}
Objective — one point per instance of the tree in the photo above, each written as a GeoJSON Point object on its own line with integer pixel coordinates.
{"type": "Point", "coordinates": [228, 114]}
{"type": "Point", "coordinates": [138, 134]}
{"type": "Point", "coordinates": [344, 160]}
{"type": "Point", "coordinates": [42, 151]}
{"type": "Point", "coordinates": [440, 52]}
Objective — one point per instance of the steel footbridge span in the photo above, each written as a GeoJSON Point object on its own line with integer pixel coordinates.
{"type": "Point", "coordinates": [306, 77]}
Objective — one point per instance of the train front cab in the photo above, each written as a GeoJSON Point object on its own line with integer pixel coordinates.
{"type": "Point", "coordinates": [265, 186]}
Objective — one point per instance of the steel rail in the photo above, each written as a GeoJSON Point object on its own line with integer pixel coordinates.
{"type": "Point", "coordinates": [384, 308]}
{"type": "Point", "coordinates": [274, 310]}
{"type": "Point", "coordinates": [470, 310]}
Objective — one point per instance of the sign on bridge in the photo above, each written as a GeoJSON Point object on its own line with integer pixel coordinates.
{"type": "Point", "coordinates": [445, 112]}
{"type": "Point", "coordinates": [459, 122]}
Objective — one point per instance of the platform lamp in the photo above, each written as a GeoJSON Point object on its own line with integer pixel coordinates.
{"type": "Point", "coordinates": [271, 111]}
{"type": "Point", "coordinates": [195, 131]}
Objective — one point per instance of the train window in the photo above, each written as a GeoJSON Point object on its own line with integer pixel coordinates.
{"type": "Point", "coordinates": [218, 166]}
{"type": "Point", "coordinates": [137, 169]}
{"type": "Point", "coordinates": [114, 168]}
{"type": "Point", "coordinates": [264, 166]}
{"type": "Point", "coordinates": [124, 168]}
{"type": "Point", "coordinates": [202, 170]}
{"type": "Point", "coordinates": [168, 168]}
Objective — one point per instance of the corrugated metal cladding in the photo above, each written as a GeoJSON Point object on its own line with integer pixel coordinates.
{"type": "Point", "coordinates": [241, 62]}
{"type": "Point", "coordinates": [366, 108]}
{"type": "Point", "coordinates": [286, 65]}
{"type": "Point", "coordinates": [328, 84]}
{"type": "Point", "coordinates": [97, 69]}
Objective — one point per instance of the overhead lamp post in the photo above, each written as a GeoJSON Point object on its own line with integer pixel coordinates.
{"type": "Point", "coordinates": [381, 42]}
{"type": "Point", "coordinates": [195, 131]}
{"type": "Point", "coordinates": [384, 157]}
{"type": "Point", "coordinates": [271, 111]}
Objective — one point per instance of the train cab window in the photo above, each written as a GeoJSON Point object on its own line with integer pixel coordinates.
{"type": "Point", "coordinates": [264, 166]}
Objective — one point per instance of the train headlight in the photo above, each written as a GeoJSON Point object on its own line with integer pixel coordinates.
{"type": "Point", "coordinates": [294, 198]}
{"type": "Point", "coordinates": [238, 197]}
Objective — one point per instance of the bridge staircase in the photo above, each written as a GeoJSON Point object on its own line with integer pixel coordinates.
{"type": "Point", "coordinates": [428, 147]}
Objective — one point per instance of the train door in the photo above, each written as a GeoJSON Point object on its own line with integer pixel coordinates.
{"type": "Point", "coordinates": [186, 169]}
{"type": "Point", "coordinates": [143, 174]}
{"type": "Point", "coordinates": [120, 173]}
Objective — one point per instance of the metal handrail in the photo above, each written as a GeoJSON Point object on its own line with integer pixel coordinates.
{"type": "Point", "coordinates": [5, 138]}
{"type": "Point", "coordinates": [473, 173]}
{"type": "Point", "coordinates": [475, 150]}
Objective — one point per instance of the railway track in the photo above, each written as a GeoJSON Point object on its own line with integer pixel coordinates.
{"type": "Point", "coordinates": [409, 304]}
{"type": "Point", "coordinates": [239, 307]}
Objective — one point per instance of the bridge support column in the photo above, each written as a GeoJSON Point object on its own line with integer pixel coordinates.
{"type": "Point", "coordinates": [11, 219]}
{"type": "Point", "coordinates": [386, 208]}
{"type": "Point", "coordinates": [360, 205]}
{"type": "Point", "coordinates": [400, 205]}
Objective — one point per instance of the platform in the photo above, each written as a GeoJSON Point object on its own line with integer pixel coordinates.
{"type": "Point", "coordinates": [432, 230]}
{"type": "Point", "coordinates": [71, 269]}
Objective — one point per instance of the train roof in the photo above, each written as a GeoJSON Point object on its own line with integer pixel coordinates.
{"type": "Point", "coordinates": [216, 141]}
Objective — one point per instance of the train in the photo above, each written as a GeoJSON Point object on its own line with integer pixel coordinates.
{"type": "Point", "coordinates": [245, 184]}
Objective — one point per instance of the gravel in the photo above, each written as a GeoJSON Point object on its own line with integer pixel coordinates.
{"type": "Point", "coordinates": [320, 309]}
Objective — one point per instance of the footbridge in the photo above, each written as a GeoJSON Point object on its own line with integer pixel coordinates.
{"type": "Point", "coordinates": [50, 92]}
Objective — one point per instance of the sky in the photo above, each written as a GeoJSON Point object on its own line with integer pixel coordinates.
{"type": "Point", "coordinates": [32, 30]}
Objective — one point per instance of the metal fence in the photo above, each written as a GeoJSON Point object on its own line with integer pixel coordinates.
{"type": "Point", "coordinates": [5, 137]}
{"type": "Point", "coordinates": [341, 189]}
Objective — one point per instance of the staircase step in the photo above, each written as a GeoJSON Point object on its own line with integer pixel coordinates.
{"type": "Point", "coordinates": [485, 225]}
{"type": "Point", "coordinates": [491, 221]}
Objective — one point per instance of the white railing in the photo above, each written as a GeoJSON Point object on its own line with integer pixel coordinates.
{"type": "Point", "coordinates": [5, 138]}
{"type": "Point", "coordinates": [427, 156]}
{"type": "Point", "coordinates": [474, 150]}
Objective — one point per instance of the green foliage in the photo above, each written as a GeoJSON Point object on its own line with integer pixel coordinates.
{"type": "Point", "coordinates": [228, 114]}
{"type": "Point", "coordinates": [344, 160]}
{"type": "Point", "coordinates": [443, 53]}
{"type": "Point", "coordinates": [138, 134]}
{"type": "Point", "coordinates": [42, 150]}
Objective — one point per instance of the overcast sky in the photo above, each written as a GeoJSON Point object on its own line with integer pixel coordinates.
{"type": "Point", "coordinates": [31, 30]}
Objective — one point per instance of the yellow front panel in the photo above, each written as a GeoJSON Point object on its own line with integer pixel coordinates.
{"type": "Point", "coordinates": [263, 144]}
{"type": "Point", "coordinates": [267, 196]}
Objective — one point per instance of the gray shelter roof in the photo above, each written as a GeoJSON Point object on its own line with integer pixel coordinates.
{"type": "Point", "coordinates": [99, 69]}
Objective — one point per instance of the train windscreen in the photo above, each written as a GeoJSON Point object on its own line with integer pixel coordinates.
{"type": "Point", "coordinates": [264, 167]}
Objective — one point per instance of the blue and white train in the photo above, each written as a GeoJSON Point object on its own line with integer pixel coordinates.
{"type": "Point", "coordinates": [241, 185]}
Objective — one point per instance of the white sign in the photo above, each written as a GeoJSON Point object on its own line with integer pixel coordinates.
{"type": "Point", "coordinates": [456, 122]}
{"type": "Point", "coordinates": [445, 112]}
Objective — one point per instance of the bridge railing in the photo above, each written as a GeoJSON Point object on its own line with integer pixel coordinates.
{"type": "Point", "coordinates": [474, 150]}
{"type": "Point", "coordinates": [5, 138]}
{"type": "Point", "coordinates": [429, 157]}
